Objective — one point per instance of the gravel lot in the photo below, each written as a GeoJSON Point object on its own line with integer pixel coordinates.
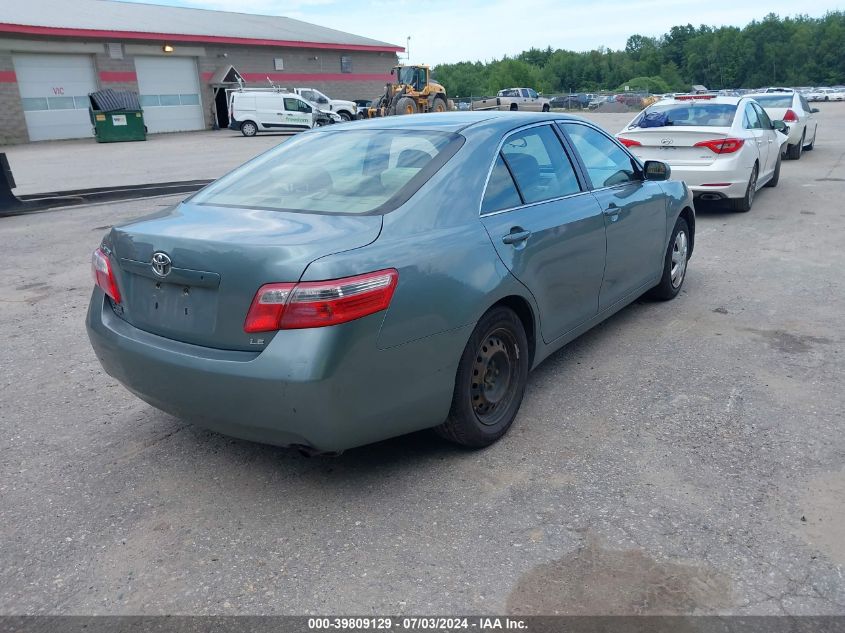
{"type": "Point", "coordinates": [686, 457]}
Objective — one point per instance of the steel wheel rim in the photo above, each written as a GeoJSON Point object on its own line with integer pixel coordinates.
{"type": "Point", "coordinates": [494, 374]}
{"type": "Point", "coordinates": [680, 249]}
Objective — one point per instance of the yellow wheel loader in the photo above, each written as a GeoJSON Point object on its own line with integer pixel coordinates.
{"type": "Point", "coordinates": [412, 92]}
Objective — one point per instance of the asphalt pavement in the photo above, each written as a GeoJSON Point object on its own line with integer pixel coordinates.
{"type": "Point", "coordinates": [683, 457]}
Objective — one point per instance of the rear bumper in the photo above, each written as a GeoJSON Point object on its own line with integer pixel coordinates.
{"type": "Point", "coordinates": [701, 181]}
{"type": "Point", "coordinates": [326, 388]}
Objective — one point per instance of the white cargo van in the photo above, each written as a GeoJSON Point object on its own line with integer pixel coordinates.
{"type": "Point", "coordinates": [253, 111]}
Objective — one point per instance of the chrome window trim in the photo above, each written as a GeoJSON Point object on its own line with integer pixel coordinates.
{"type": "Point", "coordinates": [498, 151]}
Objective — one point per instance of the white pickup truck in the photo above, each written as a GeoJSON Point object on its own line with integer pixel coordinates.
{"type": "Point", "coordinates": [513, 99]}
{"type": "Point", "coordinates": [347, 110]}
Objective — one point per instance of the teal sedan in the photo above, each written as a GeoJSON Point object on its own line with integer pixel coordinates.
{"type": "Point", "coordinates": [371, 279]}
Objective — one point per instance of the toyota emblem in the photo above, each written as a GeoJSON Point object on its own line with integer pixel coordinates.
{"type": "Point", "coordinates": [161, 264]}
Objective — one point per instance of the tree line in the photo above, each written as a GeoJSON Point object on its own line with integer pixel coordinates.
{"type": "Point", "coordinates": [788, 51]}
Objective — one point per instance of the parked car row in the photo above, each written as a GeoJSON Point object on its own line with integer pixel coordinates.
{"type": "Point", "coordinates": [724, 148]}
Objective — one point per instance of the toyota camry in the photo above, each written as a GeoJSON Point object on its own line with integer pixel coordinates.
{"type": "Point", "coordinates": [367, 280]}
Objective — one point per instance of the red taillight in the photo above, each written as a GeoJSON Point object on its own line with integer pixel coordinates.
{"type": "Point", "coordinates": [722, 145]}
{"type": "Point", "coordinates": [288, 306]}
{"type": "Point", "coordinates": [628, 142]}
{"type": "Point", "coordinates": [103, 275]}
{"type": "Point", "coordinates": [790, 116]}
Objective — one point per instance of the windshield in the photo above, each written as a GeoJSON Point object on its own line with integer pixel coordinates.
{"type": "Point", "coordinates": [774, 100]}
{"type": "Point", "coordinates": [687, 114]}
{"type": "Point", "coordinates": [349, 172]}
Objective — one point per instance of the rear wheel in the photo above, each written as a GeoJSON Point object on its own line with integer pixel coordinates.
{"type": "Point", "coordinates": [514, 107]}
{"type": "Point", "coordinates": [545, 107]}
{"type": "Point", "coordinates": [248, 128]}
{"type": "Point", "coordinates": [793, 152]}
{"type": "Point", "coordinates": [490, 381]}
{"type": "Point", "coordinates": [345, 116]}
{"type": "Point", "coordinates": [744, 204]}
{"type": "Point", "coordinates": [406, 105]}
{"type": "Point", "coordinates": [674, 264]}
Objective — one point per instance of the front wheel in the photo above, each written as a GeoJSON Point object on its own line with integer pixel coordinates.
{"type": "Point", "coordinates": [776, 176]}
{"type": "Point", "coordinates": [744, 204]}
{"type": "Point", "coordinates": [490, 381]}
{"type": "Point", "coordinates": [345, 116]}
{"type": "Point", "coordinates": [545, 107]}
{"type": "Point", "coordinates": [674, 263]}
{"type": "Point", "coordinates": [793, 152]}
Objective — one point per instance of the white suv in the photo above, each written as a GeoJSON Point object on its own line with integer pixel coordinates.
{"type": "Point", "coordinates": [346, 110]}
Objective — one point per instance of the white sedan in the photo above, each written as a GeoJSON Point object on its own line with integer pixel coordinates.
{"type": "Point", "coordinates": [724, 148]}
{"type": "Point", "coordinates": [793, 109]}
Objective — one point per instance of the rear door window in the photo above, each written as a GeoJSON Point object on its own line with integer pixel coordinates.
{"type": "Point", "coordinates": [751, 120]}
{"type": "Point", "coordinates": [606, 163]}
{"type": "Point", "coordinates": [539, 164]}
{"type": "Point", "coordinates": [501, 191]}
{"type": "Point", "coordinates": [762, 117]}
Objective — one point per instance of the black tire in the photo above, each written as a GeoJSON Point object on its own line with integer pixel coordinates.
{"type": "Point", "coordinates": [406, 105]}
{"type": "Point", "coordinates": [514, 107]}
{"type": "Point", "coordinates": [776, 176]}
{"type": "Point", "coordinates": [545, 107]}
{"type": "Point", "coordinates": [485, 403]}
{"type": "Point", "coordinates": [440, 105]}
{"type": "Point", "coordinates": [793, 152]}
{"type": "Point", "coordinates": [743, 205]}
{"type": "Point", "coordinates": [345, 115]}
{"type": "Point", "coordinates": [677, 254]}
{"type": "Point", "coordinates": [249, 128]}
{"type": "Point", "coordinates": [809, 148]}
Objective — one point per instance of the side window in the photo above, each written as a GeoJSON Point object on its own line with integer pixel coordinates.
{"type": "Point", "coordinates": [296, 105]}
{"type": "Point", "coordinates": [607, 164]}
{"type": "Point", "coordinates": [532, 94]}
{"type": "Point", "coordinates": [765, 121]}
{"type": "Point", "coordinates": [307, 94]}
{"type": "Point", "coordinates": [524, 93]}
{"type": "Point", "coordinates": [752, 122]}
{"type": "Point", "coordinates": [501, 191]}
{"type": "Point", "coordinates": [805, 104]}
{"type": "Point", "coordinates": [539, 164]}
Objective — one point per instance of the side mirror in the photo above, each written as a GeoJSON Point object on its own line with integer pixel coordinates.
{"type": "Point", "coordinates": [814, 110]}
{"type": "Point", "coordinates": [780, 126]}
{"type": "Point", "coordinates": [656, 170]}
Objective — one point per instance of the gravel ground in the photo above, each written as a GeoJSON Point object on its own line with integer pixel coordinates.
{"type": "Point", "coordinates": [686, 457]}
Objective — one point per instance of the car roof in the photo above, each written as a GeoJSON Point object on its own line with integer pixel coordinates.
{"type": "Point", "coordinates": [458, 121]}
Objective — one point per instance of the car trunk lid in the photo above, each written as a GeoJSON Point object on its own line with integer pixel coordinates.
{"type": "Point", "coordinates": [674, 146]}
{"type": "Point", "coordinates": [210, 261]}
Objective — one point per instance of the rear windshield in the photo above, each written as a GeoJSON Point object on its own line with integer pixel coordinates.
{"type": "Point", "coordinates": [774, 100]}
{"type": "Point", "coordinates": [337, 172]}
{"type": "Point", "coordinates": [687, 114]}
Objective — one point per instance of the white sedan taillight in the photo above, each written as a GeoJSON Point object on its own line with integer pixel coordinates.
{"type": "Point", "coordinates": [103, 275]}
{"type": "Point", "coordinates": [288, 306]}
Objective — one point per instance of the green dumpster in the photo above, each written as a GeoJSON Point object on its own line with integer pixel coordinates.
{"type": "Point", "coordinates": [116, 116]}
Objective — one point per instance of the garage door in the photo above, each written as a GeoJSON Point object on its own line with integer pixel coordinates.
{"type": "Point", "coordinates": [54, 93]}
{"type": "Point", "coordinates": [170, 93]}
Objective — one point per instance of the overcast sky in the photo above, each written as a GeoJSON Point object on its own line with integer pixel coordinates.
{"type": "Point", "coordinates": [471, 30]}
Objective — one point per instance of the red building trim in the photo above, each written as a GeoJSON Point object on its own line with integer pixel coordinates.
{"type": "Point", "coordinates": [108, 76]}
{"type": "Point", "coordinates": [8, 77]}
{"type": "Point", "coordinates": [181, 37]}
{"type": "Point", "coordinates": [287, 78]}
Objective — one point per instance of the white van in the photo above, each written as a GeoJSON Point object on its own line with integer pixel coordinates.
{"type": "Point", "coordinates": [271, 111]}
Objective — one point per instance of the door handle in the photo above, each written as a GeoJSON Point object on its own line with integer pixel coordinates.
{"type": "Point", "coordinates": [516, 236]}
{"type": "Point", "coordinates": [612, 209]}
